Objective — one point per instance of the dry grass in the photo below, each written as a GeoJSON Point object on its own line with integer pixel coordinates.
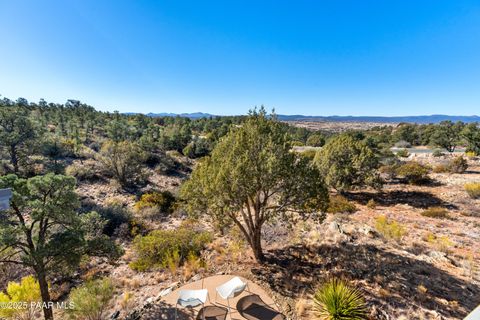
{"type": "Point", "coordinates": [435, 212]}
{"type": "Point", "coordinates": [473, 189]}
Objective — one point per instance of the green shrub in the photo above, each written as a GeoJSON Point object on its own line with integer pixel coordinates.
{"type": "Point", "coordinates": [403, 153]}
{"type": "Point", "coordinates": [437, 153]}
{"type": "Point", "coordinates": [165, 248]}
{"type": "Point", "coordinates": [336, 300]}
{"type": "Point", "coordinates": [339, 204]}
{"type": "Point", "coordinates": [163, 201]}
{"type": "Point", "coordinates": [115, 216]}
{"type": "Point", "coordinates": [309, 154]}
{"type": "Point", "coordinates": [457, 165]}
{"type": "Point", "coordinates": [435, 212]}
{"type": "Point", "coordinates": [473, 189]}
{"type": "Point", "coordinates": [390, 229]}
{"type": "Point", "coordinates": [90, 300]}
{"type": "Point", "coordinates": [413, 172]}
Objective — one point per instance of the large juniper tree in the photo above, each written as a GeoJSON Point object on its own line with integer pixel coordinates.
{"type": "Point", "coordinates": [251, 177]}
{"type": "Point", "coordinates": [43, 231]}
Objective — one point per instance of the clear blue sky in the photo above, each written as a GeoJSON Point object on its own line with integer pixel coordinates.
{"type": "Point", "coordinates": [395, 57]}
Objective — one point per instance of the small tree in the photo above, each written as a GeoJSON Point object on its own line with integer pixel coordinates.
{"type": "Point", "coordinates": [348, 162]}
{"type": "Point", "coordinates": [252, 177]}
{"type": "Point", "coordinates": [447, 135]}
{"type": "Point", "coordinates": [16, 130]}
{"type": "Point", "coordinates": [123, 160]}
{"type": "Point", "coordinates": [42, 230]}
{"type": "Point", "coordinates": [471, 135]}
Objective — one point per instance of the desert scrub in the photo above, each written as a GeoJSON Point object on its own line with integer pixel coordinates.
{"type": "Point", "coordinates": [413, 172]}
{"type": "Point", "coordinates": [163, 201]}
{"type": "Point", "coordinates": [403, 153]}
{"type": "Point", "coordinates": [371, 204]}
{"type": "Point", "coordinates": [457, 165]}
{"type": "Point", "coordinates": [389, 228]}
{"type": "Point", "coordinates": [441, 243]}
{"type": "Point", "coordinates": [473, 189]}
{"type": "Point", "coordinates": [167, 248]}
{"type": "Point", "coordinates": [340, 204]}
{"type": "Point", "coordinates": [435, 212]}
{"type": "Point", "coordinates": [90, 300]}
{"type": "Point", "coordinates": [337, 300]}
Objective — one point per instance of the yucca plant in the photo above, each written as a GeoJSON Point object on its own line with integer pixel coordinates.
{"type": "Point", "coordinates": [336, 300]}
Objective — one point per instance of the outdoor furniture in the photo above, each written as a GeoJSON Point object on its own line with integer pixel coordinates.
{"type": "Point", "coordinates": [212, 313]}
{"type": "Point", "coordinates": [252, 307]}
{"type": "Point", "coordinates": [230, 289]}
{"type": "Point", "coordinates": [191, 299]}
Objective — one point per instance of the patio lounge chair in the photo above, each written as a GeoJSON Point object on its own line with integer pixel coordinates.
{"type": "Point", "coordinates": [191, 298]}
{"type": "Point", "coordinates": [230, 289]}
{"type": "Point", "coordinates": [252, 307]}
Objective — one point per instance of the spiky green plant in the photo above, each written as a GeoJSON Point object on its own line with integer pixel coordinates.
{"type": "Point", "coordinates": [336, 300]}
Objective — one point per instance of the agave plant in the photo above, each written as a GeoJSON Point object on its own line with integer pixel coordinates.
{"type": "Point", "coordinates": [336, 300]}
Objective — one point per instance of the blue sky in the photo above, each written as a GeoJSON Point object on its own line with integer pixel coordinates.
{"type": "Point", "coordinates": [398, 57]}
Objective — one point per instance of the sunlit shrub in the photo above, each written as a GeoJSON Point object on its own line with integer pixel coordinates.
{"type": "Point", "coordinates": [163, 201]}
{"type": "Point", "coordinates": [435, 212]}
{"type": "Point", "coordinates": [390, 228]}
{"type": "Point", "coordinates": [473, 189]}
{"type": "Point", "coordinates": [90, 300]}
{"type": "Point", "coordinates": [413, 172]}
{"type": "Point", "coordinates": [339, 204]}
{"type": "Point", "coordinates": [27, 291]}
{"type": "Point", "coordinates": [167, 248]}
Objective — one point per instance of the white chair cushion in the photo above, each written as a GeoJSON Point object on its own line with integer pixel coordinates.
{"type": "Point", "coordinates": [230, 288]}
{"type": "Point", "coordinates": [192, 298]}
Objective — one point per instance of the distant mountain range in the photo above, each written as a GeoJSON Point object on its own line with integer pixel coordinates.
{"type": "Point", "coordinates": [435, 118]}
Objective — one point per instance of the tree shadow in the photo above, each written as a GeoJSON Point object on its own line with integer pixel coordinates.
{"type": "Point", "coordinates": [416, 199]}
{"type": "Point", "coordinates": [390, 281]}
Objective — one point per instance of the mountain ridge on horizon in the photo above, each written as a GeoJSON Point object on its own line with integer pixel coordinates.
{"type": "Point", "coordinates": [421, 119]}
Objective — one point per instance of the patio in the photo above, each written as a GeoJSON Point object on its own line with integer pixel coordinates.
{"type": "Point", "coordinates": [252, 304]}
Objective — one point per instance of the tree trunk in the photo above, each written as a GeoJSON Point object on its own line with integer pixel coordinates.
{"type": "Point", "coordinates": [257, 246]}
{"type": "Point", "coordinates": [14, 158]}
{"type": "Point", "coordinates": [47, 308]}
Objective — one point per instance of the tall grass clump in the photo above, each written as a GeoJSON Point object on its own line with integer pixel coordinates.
{"type": "Point", "coordinates": [390, 228]}
{"type": "Point", "coordinates": [336, 300]}
{"type": "Point", "coordinates": [473, 189]}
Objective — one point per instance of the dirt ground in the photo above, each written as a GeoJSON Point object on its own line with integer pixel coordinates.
{"type": "Point", "coordinates": [432, 272]}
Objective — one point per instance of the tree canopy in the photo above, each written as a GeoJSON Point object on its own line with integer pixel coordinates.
{"type": "Point", "coordinates": [347, 162]}
{"type": "Point", "coordinates": [251, 177]}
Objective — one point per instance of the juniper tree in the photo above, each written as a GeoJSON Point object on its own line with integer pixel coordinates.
{"type": "Point", "coordinates": [253, 177]}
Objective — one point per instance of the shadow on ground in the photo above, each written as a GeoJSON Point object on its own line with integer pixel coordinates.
{"type": "Point", "coordinates": [291, 270]}
{"type": "Point", "coordinates": [416, 199]}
